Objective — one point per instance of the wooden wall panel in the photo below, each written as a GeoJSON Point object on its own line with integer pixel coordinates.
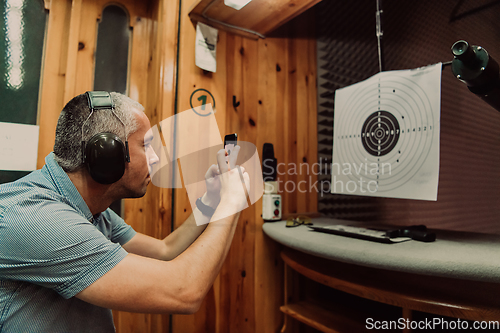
{"type": "Point", "coordinates": [268, 266]}
{"type": "Point", "coordinates": [275, 85]}
{"type": "Point", "coordinates": [237, 291]}
{"type": "Point", "coordinates": [276, 90]}
{"type": "Point", "coordinates": [68, 71]}
{"type": "Point", "coordinates": [192, 78]}
{"type": "Point", "coordinates": [152, 77]}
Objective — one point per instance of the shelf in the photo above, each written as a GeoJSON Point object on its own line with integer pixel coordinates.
{"type": "Point", "coordinates": [331, 317]}
{"type": "Point", "coordinates": [261, 16]}
{"type": "Point", "coordinates": [447, 297]}
{"type": "Point", "coordinates": [319, 318]}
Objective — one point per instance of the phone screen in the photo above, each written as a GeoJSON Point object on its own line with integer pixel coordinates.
{"type": "Point", "coordinates": [230, 142]}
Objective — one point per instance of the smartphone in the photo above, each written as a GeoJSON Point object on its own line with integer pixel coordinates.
{"type": "Point", "coordinates": [230, 141]}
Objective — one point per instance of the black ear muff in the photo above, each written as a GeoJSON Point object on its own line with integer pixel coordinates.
{"type": "Point", "coordinates": [104, 154]}
{"type": "Point", "coordinates": [105, 158]}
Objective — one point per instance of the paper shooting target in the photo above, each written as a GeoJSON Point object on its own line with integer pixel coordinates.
{"type": "Point", "coordinates": [386, 134]}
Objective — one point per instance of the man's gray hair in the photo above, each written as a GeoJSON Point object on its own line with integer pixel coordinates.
{"type": "Point", "coordinates": [68, 142]}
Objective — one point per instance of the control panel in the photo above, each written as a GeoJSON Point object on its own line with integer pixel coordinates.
{"type": "Point", "coordinates": [271, 207]}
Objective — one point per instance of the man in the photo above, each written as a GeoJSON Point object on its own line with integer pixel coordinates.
{"type": "Point", "coordinates": [66, 259]}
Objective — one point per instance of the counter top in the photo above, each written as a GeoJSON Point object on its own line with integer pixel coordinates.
{"type": "Point", "coordinates": [454, 254]}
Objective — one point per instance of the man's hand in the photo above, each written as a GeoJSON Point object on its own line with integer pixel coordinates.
{"type": "Point", "coordinates": [212, 196]}
{"type": "Point", "coordinates": [212, 178]}
{"type": "Point", "coordinates": [234, 180]}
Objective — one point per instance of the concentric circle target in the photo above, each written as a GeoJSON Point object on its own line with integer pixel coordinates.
{"type": "Point", "coordinates": [383, 130]}
{"type": "Point", "coordinates": [380, 133]}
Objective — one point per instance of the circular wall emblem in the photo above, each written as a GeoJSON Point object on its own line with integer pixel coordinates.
{"type": "Point", "coordinates": [201, 97]}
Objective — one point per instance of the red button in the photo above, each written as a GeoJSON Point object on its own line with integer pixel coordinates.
{"type": "Point", "coordinates": [276, 212]}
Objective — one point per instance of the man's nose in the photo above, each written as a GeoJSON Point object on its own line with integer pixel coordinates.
{"type": "Point", "coordinates": [152, 157]}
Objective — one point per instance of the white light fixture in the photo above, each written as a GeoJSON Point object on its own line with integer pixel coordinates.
{"type": "Point", "coordinates": [236, 4]}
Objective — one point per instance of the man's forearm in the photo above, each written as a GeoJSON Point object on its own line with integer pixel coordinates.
{"type": "Point", "coordinates": [205, 257]}
{"type": "Point", "coordinates": [141, 284]}
{"type": "Point", "coordinates": [182, 237]}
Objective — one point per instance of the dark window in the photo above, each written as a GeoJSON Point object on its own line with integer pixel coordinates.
{"type": "Point", "coordinates": [111, 60]}
{"type": "Point", "coordinates": [113, 39]}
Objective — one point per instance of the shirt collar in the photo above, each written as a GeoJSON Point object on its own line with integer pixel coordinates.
{"type": "Point", "coordinates": [65, 186]}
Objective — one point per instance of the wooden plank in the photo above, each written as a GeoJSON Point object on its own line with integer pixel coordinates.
{"type": "Point", "coordinates": [312, 158]}
{"type": "Point", "coordinates": [71, 61]}
{"type": "Point", "coordinates": [238, 268]}
{"type": "Point", "coordinates": [161, 78]}
{"type": "Point", "coordinates": [86, 48]}
{"type": "Point", "coordinates": [268, 266]}
{"type": "Point", "coordinates": [233, 88]}
{"type": "Point", "coordinates": [192, 78]}
{"type": "Point", "coordinates": [302, 117]}
{"type": "Point", "coordinates": [290, 179]}
{"type": "Point", "coordinates": [310, 146]}
{"type": "Point", "coordinates": [242, 253]}
{"type": "Point", "coordinates": [281, 109]}
{"type": "Point", "coordinates": [53, 76]}
{"type": "Point", "coordinates": [166, 45]}
{"type": "Point", "coordinates": [140, 56]}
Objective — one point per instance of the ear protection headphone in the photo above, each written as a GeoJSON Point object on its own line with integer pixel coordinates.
{"type": "Point", "coordinates": [104, 154]}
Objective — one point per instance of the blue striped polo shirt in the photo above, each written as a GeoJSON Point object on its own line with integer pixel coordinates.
{"type": "Point", "coordinates": [52, 248]}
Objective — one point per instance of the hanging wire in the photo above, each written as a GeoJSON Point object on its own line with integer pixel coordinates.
{"type": "Point", "coordinates": [379, 34]}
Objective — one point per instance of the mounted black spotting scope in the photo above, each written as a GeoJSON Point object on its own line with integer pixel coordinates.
{"type": "Point", "coordinates": [474, 66]}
